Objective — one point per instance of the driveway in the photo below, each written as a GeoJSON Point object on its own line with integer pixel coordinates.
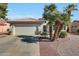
{"type": "Point", "coordinates": [29, 46]}
{"type": "Point", "coordinates": [18, 46]}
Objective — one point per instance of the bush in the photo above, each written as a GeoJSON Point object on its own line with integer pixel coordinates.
{"type": "Point", "coordinates": [37, 32]}
{"type": "Point", "coordinates": [44, 33]}
{"type": "Point", "coordinates": [78, 31]}
{"type": "Point", "coordinates": [9, 32]}
{"type": "Point", "coordinates": [63, 34]}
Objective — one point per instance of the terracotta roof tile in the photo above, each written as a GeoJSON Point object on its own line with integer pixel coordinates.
{"type": "Point", "coordinates": [26, 20]}
{"type": "Point", "coordinates": [2, 21]}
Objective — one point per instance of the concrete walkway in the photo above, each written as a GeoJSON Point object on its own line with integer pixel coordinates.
{"type": "Point", "coordinates": [13, 46]}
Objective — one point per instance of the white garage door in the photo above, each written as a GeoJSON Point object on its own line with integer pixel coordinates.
{"type": "Point", "coordinates": [25, 30]}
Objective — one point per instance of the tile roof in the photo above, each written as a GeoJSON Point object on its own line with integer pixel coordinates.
{"type": "Point", "coordinates": [26, 20]}
{"type": "Point", "coordinates": [2, 21]}
{"type": "Point", "coordinates": [75, 23]}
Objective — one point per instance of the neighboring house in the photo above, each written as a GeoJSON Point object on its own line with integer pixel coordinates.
{"type": "Point", "coordinates": [4, 26]}
{"type": "Point", "coordinates": [74, 26]}
{"type": "Point", "coordinates": [27, 26]}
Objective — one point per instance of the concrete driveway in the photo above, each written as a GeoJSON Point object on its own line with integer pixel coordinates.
{"type": "Point", "coordinates": [16, 46]}
{"type": "Point", "coordinates": [28, 46]}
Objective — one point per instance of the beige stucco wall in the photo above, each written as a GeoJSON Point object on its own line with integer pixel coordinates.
{"type": "Point", "coordinates": [4, 27]}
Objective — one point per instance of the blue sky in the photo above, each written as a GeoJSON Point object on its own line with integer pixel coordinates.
{"type": "Point", "coordinates": [33, 10]}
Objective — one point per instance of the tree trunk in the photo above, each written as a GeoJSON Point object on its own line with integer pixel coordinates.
{"type": "Point", "coordinates": [50, 31]}
{"type": "Point", "coordinates": [69, 14]}
{"type": "Point", "coordinates": [56, 33]}
{"type": "Point", "coordinates": [69, 28]}
{"type": "Point", "coordinates": [58, 29]}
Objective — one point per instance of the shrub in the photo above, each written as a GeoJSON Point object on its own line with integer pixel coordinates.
{"type": "Point", "coordinates": [78, 31]}
{"type": "Point", "coordinates": [9, 32]}
{"type": "Point", "coordinates": [44, 33]}
{"type": "Point", "coordinates": [37, 32]}
{"type": "Point", "coordinates": [63, 34]}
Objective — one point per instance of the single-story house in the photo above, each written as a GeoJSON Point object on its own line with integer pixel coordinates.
{"type": "Point", "coordinates": [27, 26]}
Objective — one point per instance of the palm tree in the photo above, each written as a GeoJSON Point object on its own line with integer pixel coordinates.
{"type": "Point", "coordinates": [60, 19]}
{"type": "Point", "coordinates": [57, 26]}
{"type": "Point", "coordinates": [49, 13]}
{"type": "Point", "coordinates": [63, 19]}
{"type": "Point", "coordinates": [3, 10]}
{"type": "Point", "coordinates": [69, 9]}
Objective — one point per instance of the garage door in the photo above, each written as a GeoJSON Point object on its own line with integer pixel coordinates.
{"type": "Point", "coordinates": [25, 30]}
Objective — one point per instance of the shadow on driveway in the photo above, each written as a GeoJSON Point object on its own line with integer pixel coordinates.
{"type": "Point", "coordinates": [28, 39]}
{"type": "Point", "coordinates": [33, 39]}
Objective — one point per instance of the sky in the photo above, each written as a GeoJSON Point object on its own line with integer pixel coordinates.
{"type": "Point", "coordinates": [34, 10]}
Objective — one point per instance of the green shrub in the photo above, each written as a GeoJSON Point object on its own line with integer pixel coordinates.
{"type": "Point", "coordinates": [63, 34]}
{"type": "Point", "coordinates": [9, 32]}
{"type": "Point", "coordinates": [44, 33]}
{"type": "Point", "coordinates": [78, 31]}
{"type": "Point", "coordinates": [37, 32]}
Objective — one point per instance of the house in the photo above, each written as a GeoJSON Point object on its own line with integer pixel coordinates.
{"type": "Point", "coordinates": [74, 26]}
{"type": "Point", "coordinates": [27, 26]}
{"type": "Point", "coordinates": [4, 26]}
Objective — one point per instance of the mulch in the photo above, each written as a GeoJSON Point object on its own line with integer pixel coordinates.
{"type": "Point", "coordinates": [48, 48]}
